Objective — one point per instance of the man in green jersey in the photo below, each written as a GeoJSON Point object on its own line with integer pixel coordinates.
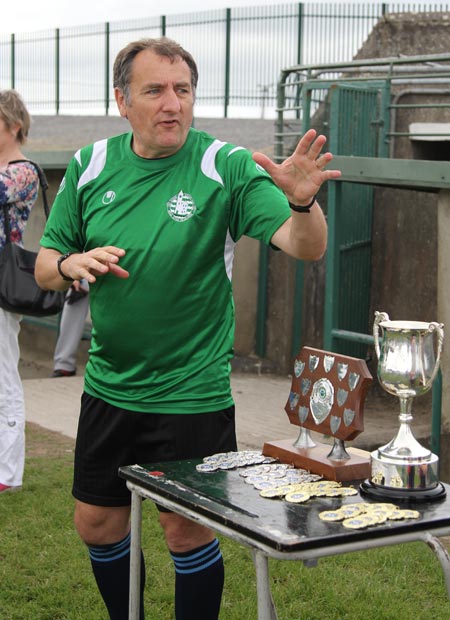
{"type": "Point", "coordinates": [150, 219]}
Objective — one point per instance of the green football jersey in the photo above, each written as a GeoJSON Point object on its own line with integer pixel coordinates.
{"type": "Point", "coordinates": [162, 340]}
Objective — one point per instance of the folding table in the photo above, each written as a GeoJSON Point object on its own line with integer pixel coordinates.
{"type": "Point", "coordinates": [271, 528]}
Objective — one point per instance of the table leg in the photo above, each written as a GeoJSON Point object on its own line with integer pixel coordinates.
{"type": "Point", "coordinates": [135, 556]}
{"type": "Point", "coordinates": [442, 554]}
{"type": "Point", "coordinates": [266, 606]}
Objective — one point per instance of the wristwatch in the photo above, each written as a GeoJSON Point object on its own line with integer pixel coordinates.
{"type": "Point", "coordinates": [303, 208]}
{"type": "Point", "coordinates": [58, 265]}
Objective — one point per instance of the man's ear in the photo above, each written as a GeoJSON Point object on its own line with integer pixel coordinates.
{"type": "Point", "coordinates": [120, 100]}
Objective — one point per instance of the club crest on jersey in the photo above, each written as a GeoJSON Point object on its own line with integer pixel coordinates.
{"type": "Point", "coordinates": [181, 207]}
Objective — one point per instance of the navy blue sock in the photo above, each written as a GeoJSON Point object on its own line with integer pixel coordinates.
{"type": "Point", "coordinates": [199, 577]}
{"type": "Point", "coordinates": [111, 566]}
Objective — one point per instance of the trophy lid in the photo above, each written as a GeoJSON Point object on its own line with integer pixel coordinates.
{"type": "Point", "coordinates": [405, 325]}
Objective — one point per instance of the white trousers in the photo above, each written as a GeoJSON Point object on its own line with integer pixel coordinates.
{"type": "Point", "coordinates": [12, 405]}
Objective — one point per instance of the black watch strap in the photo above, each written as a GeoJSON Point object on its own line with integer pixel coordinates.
{"type": "Point", "coordinates": [58, 264]}
{"type": "Point", "coordinates": [303, 208]}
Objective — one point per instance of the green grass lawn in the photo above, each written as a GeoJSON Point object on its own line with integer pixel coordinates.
{"type": "Point", "coordinates": [45, 572]}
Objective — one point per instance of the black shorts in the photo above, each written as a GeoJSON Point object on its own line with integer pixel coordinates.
{"type": "Point", "coordinates": [109, 437]}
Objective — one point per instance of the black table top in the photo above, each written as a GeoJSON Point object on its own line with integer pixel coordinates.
{"type": "Point", "coordinates": [225, 498]}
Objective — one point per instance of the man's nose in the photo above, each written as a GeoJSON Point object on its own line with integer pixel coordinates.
{"type": "Point", "coordinates": [171, 101]}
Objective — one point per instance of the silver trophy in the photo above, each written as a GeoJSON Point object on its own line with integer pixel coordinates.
{"type": "Point", "coordinates": [408, 353]}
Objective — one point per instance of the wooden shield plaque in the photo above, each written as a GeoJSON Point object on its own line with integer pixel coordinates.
{"type": "Point", "coordinates": [327, 396]}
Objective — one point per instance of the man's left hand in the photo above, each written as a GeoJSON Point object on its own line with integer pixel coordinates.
{"type": "Point", "coordinates": [301, 175]}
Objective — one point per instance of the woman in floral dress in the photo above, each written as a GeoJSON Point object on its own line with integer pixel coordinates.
{"type": "Point", "coordinates": [18, 189]}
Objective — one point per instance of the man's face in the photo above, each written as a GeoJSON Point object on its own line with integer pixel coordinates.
{"type": "Point", "coordinates": [160, 104]}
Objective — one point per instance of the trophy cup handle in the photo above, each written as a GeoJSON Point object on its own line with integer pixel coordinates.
{"type": "Point", "coordinates": [379, 317]}
{"type": "Point", "coordinates": [439, 329]}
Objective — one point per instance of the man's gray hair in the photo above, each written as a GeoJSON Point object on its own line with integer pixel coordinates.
{"type": "Point", "coordinates": [162, 46]}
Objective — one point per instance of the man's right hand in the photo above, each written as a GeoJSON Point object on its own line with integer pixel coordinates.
{"type": "Point", "coordinates": [85, 265]}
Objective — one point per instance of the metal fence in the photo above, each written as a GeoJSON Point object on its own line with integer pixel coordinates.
{"type": "Point", "coordinates": [240, 53]}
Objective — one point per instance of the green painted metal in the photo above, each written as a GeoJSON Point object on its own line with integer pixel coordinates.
{"type": "Point", "coordinates": [13, 61]}
{"type": "Point", "coordinates": [354, 120]}
{"type": "Point", "coordinates": [227, 63]}
{"type": "Point", "coordinates": [107, 65]}
{"type": "Point", "coordinates": [430, 176]}
{"type": "Point", "coordinates": [163, 25]}
{"type": "Point", "coordinates": [356, 114]}
{"type": "Point", "coordinates": [333, 266]}
{"type": "Point", "coordinates": [298, 312]}
{"type": "Point", "coordinates": [300, 33]}
{"type": "Point", "coordinates": [57, 71]}
{"type": "Point", "coordinates": [352, 336]}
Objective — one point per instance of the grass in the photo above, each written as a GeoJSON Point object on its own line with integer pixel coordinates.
{"type": "Point", "coordinates": [45, 573]}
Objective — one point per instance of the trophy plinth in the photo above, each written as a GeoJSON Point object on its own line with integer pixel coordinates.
{"type": "Point", "coordinates": [327, 396]}
{"type": "Point", "coordinates": [317, 460]}
{"type": "Point", "coordinates": [403, 469]}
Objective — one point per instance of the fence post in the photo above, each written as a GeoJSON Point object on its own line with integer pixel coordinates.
{"type": "Point", "coordinates": [300, 34]}
{"type": "Point", "coordinates": [299, 53]}
{"type": "Point", "coordinates": [163, 25]}
{"type": "Point", "coordinates": [227, 62]}
{"type": "Point", "coordinates": [13, 61]}
{"type": "Point", "coordinates": [57, 72]}
{"type": "Point", "coordinates": [107, 77]}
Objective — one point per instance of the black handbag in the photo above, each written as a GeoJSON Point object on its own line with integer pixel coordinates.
{"type": "Point", "coordinates": [19, 291]}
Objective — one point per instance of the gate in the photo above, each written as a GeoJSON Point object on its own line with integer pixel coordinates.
{"type": "Point", "coordinates": [357, 129]}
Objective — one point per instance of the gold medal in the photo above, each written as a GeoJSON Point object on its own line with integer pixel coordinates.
{"type": "Point", "coordinates": [347, 491]}
{"type": "Point", "coordinates": [356, 523]}
{"type": "Point", "coordinates": [409, 514]}
{"type": "Point", "coordinates": [297, 497]}
{"type": "Point", "coordinates": [271, 493]}
{"type": "Point", "coordinates": [331, 515]}
{"type": "Point", "coordinates": [351, 510]}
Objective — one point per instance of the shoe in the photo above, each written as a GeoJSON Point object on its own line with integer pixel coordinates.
{"type": "Point", "coordinates": [4, 488]}
{"type": "Point", "coordinates": [58, 372]}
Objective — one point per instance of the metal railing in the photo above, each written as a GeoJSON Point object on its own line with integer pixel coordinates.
{"type": "Point", "coordinates": [239, 53]}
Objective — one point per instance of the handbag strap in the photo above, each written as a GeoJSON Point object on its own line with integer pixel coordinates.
{"type": "Point", "coordinates": [44, 187]}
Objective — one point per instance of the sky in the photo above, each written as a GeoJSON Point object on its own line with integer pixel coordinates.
{"type": "Point", "coordinates": [33, 15]}
{"type": "Point", "coordinates": [43, 14]}
{"type": "Point", "coordinates": [36, 15]}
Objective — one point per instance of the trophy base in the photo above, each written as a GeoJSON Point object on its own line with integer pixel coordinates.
{"type": "Point", "coordinates": [316, 460]}
{"type": "Point", "coordinates": [411, 473]}
{"type": "Point", "coordinates": [378, 492]}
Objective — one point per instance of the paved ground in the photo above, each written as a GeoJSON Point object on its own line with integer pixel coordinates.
{"type": "Point", "coordinates": [260, 402]}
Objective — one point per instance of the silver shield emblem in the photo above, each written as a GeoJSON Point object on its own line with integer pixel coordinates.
{"type": "Point", "coordinates": [322, 399]}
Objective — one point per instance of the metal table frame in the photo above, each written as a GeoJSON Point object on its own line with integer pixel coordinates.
{"type": "Point", "coordinates": [262, 552]}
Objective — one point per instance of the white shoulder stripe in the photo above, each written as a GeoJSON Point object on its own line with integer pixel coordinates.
{"type": "Point", "coordinates": [96, 164]}
{"type": "Point", "coordinates": [208, 166]}
{"type": "Point", "coordinates": [78, 156]}
{"type": "Point", "coordinates": [236, 148]}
